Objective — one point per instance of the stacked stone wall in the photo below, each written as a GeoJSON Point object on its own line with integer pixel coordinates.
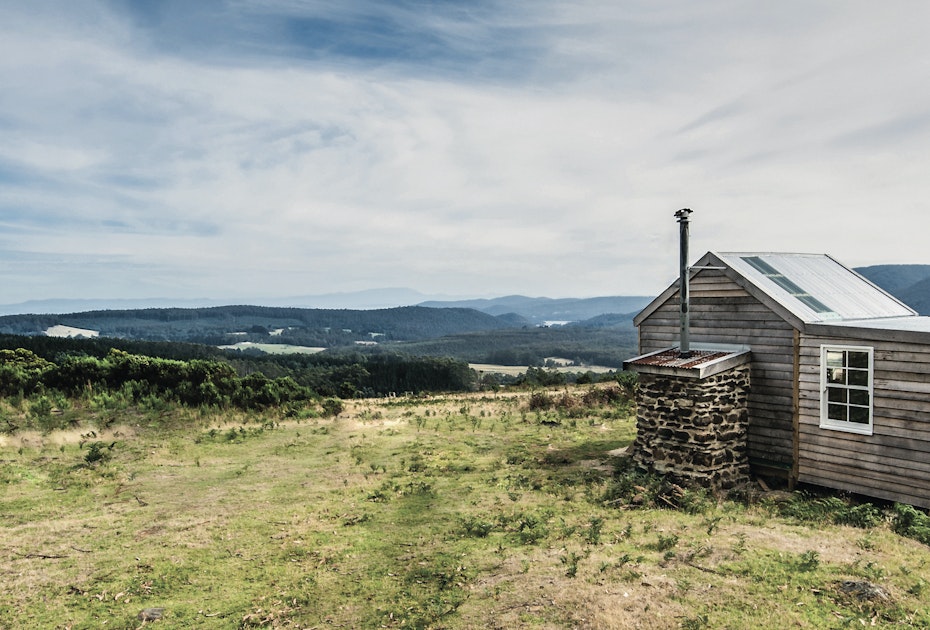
{"type": "Point", "coordinates": [694, 430]}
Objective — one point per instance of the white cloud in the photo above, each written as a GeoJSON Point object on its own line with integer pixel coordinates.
{"type": "Point", "coordinates": [551, 165]}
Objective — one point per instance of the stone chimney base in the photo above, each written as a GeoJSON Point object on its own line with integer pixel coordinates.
{"type": "Point", "coordinates": [694, 429]}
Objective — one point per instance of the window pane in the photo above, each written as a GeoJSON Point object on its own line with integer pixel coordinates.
{"type": "Point", "coordinates": [858, 360]}
{"type": "Point", "coordinates": [859, 377]}
{"type": "Point", "coordinates": [834, 359]}
{"type": "Point", "coordinates": [837, 394]}
{"type": "Point", "coordinates": [859, 415]}
{"type": "Point", "coordinates": [836, 375]}
{"type": "Point", "coordinates": [836, 412]}
{"type": "Point", "coordinates": [859, 397]}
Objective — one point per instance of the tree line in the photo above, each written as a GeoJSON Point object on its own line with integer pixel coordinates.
{"type": "Point", "coordinates": [298, 326]}
{"type": "Point", "coordinates": [198, 375]}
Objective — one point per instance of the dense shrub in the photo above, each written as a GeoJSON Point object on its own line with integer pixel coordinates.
{"type": "Point", "coordinates": [830, 509]}
{"type": "Point", "coordinates": [108, 376]}
{"type": "Point", "coordinates": [122, 378]}
{"type": "Point", "coordinates": [21, 372]}
{"type": "Point", "coordinates": [911, 522]}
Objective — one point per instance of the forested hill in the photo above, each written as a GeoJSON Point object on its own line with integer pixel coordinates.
{"type": "Point", "coordinates": [908, 283]}
{"type": "Point", "coordinates": [541, 309]}
{"type": "Point", "coordinates": [226, 324]}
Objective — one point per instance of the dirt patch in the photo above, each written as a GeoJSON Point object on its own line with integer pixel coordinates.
{"type": "Point", "coordinates": [65, 437]}
{"type": "Point", "coordinates": [832, 548]}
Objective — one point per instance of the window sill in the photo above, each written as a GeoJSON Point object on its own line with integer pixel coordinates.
{"type": "Point", "coordinates": [860, 429]}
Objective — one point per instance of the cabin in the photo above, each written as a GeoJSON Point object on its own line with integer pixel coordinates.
{"type": "Point", "coordinates": [839, 370]}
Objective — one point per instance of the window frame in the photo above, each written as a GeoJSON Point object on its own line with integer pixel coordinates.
{"type": "Point", "coordinates": [847, 425]}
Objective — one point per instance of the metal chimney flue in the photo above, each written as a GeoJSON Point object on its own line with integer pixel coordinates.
{"type": "Point", "coordinates": [684, 347]}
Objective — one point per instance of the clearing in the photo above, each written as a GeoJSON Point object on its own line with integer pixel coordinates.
{"type": "Point", "coordinates": [459, 511]}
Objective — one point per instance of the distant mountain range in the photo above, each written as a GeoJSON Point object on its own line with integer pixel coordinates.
{"type": "Point", "coordinates": [908, 283]}
{"type": "Point", "coordinates": [513, 329]}
{"type": "Point", "coordinates": [548, 310]}
{"type": "Point", "coordinates": [536, 310]}
{"type": "Point", "coordinates": [362, 300]}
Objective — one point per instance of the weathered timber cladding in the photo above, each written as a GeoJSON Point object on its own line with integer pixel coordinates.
{"type": "Point", "coordinates": [694, 429]}
{"type": "Point", "coordinates": [890, 464]}
{"type": "Point", "coordinates": [723, 312]}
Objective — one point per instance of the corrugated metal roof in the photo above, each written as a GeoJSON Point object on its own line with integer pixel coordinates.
{"type": "Point", "coordinates": [700, 364]}
{"type": "Point", "coordinates": [906, 324]}
{"type": "Point", "coordinates": [815, 287]}
{"type": "Point", "coordinates": [672, 358]}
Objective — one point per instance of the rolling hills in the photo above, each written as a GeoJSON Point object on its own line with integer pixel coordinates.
{"type": "Point", "coordinates": [908, 283]}
{"type": "Point", "coordinates": [508, 331]}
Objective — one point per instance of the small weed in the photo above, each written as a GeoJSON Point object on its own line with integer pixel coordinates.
{"type": "Point", "coordinates": [695, 623]}
{"type": "Point", "coordinates": [356, 519]}
{"type": "Point", "coordinates": [417, 464]}
{"type": "Point", "coordinates": [528, 528]}
{"type": "Point", "coordinates": [592, 535]}
{"type": "Point", "coordinates": [476, 527]}
{"type": "Point", "coordinates": [417, 488]}
{"type": "Point", "coordinates": [867, 542]}
{"type": "Point", "coordinates": [873, 571]}
{"type": "Point", "coordinates": [665, 543]}
{"type": "Point", "coordinates": [97, 453]}
{"type": "Point", "coordinates": [808, 561]}
{"type": "Point", "coordinates": [570, 560]}
{"type": "Point", "coordinates": [917, 589]}
{"type": "Point", "coordinates": [711, 523]}
{"type": "Point", "coordinates": [739, 547]}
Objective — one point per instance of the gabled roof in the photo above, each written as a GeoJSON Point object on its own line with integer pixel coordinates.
{"type": "Point", "coordinates": [802, 288]}
{"type": "Point", "coordinates": [815, 287]}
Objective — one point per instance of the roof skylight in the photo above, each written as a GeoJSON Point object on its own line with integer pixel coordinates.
{"type": "Point", "coordinates": [788, 285]}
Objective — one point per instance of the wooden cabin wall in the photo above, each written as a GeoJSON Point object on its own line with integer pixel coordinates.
{"type": "Point", "coordinates": [723, 312]}
{"type": "Point", "coordinates": [893, 462]}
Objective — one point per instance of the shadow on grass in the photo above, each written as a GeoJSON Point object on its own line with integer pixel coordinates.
{"type": "Point", "coordinates": [594, 449]}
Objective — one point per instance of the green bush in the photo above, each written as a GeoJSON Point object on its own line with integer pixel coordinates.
{"type": "Point", "coordinates": [21, 371]}
{"type": "Point", "coordinates": [476, 527]}
{"type": "Point", "coordinates": [41, 407]}
{"type": "Point", "coordinates": [332, 407]}
{"type": "Point", "coordinates": [831, 509]}
{"type": "Point", "coordinates": [97, 452]}
{"type": "Point", "coordinates": [911, 522]}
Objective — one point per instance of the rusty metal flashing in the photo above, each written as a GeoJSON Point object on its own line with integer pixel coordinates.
{"type": "Point", "coordinates": [702, 362]}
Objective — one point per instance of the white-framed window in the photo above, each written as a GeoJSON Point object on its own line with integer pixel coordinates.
{"type": "Point", "coordinates": [846, 388]}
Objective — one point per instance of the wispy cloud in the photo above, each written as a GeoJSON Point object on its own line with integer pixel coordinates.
{"type": "Point", "coordinates": [245, 148]}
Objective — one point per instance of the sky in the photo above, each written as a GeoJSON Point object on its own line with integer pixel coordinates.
{"type": "Point", "coordinates": [244, 150]}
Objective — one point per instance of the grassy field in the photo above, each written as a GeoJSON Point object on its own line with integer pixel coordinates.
{"type": "Point", "coordinates": [273, 348]}
{"type": "Point", "coordinates": [471, 511]}
{"type": "Point", "coordinates": [516, 370]}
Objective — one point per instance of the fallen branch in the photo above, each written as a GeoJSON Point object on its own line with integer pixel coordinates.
{"type": "Point", "coordinates": [669, 502]}
{"type": "Point", "coordinates": [41, 556]}
{"type": "Point", "coordinates": [694, 565]}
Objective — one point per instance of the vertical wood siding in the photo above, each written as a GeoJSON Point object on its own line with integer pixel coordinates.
{"type": "Point", "coordinates": [894, 462]}
{"type": "Point", "coordinates": [723, 312]}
